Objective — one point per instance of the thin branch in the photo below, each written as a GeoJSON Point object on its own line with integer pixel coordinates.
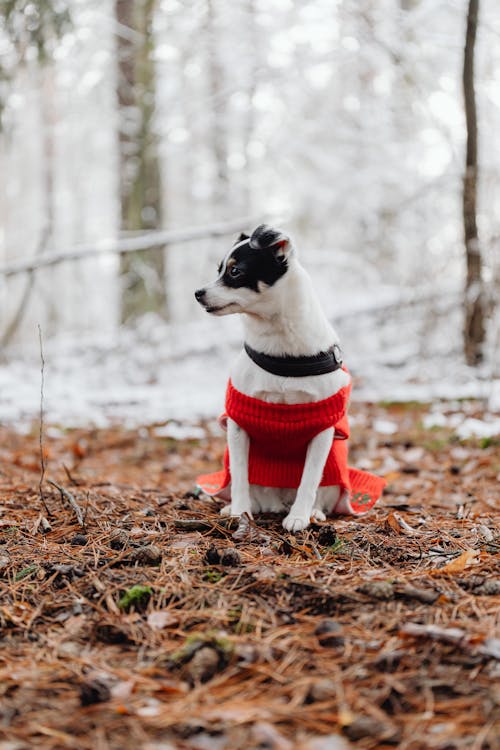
{"type": "Point", "coordinates": [71, 500]}
{"type": "Point", "coordinates": [18, 316]}
{"type": "Point", "coordinates": [147, 241]}
{"type": "Point", "coordinates": [40, 434]}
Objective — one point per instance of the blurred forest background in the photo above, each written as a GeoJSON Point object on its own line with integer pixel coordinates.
{"type": "Point", "coordinates": [139, 136]}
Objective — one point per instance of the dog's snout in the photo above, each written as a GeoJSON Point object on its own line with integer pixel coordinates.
{"type": "Point", "coordinates": [199, 294]}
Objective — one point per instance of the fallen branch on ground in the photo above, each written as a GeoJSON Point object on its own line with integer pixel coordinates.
{"type": "Point", "coordinates": [147, 241]}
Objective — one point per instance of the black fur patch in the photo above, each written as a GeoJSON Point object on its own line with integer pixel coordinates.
{"type": "Point", "coordinates": [264, 236]}
{"type": "Point", "coordinates": [247, 266]}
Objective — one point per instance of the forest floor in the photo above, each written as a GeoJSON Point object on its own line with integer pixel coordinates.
{"type": "Point", "coordinates": [147, 625]}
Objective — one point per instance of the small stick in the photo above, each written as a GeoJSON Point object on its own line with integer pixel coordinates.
{"type": "Point", "coordinates": [71, 500]}
{"type": "Point", "coordinates": [40, 434]}
{"type": "Point", "coordinates": [73, 481]}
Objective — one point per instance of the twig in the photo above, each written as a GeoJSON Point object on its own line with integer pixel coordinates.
{"type": "Point", "coordinates": [73, 481]}
{"type": "Point", "coordinates": [40, 434]}
{"type": "Point", "coordinates": [71, 500]}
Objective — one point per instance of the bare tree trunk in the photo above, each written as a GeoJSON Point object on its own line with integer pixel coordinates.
{"type": "Point", "coordinates": [45, 76]}
{"type": "Point", "coordinates": [143, 272]}
{"type": "Point", "coordinates": [254, 59]}
{"type": "Point", "coordinates": [218, 130]}
{"type": "Point", "coordinates": [474, 328]}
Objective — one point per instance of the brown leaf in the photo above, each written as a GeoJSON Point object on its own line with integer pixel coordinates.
{"type": "Point", "coordinates": [467, 558]}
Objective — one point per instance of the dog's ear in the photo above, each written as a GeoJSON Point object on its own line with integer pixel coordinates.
{"type": "Point", "coordinates": [242, 237]}
{"type": "Point", "coordinates": [267, 238]}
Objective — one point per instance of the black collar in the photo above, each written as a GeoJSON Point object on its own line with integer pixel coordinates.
{"type": "Point", "coordinates": [298, 367]}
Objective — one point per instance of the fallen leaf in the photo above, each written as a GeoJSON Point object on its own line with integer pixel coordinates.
{"type": "Point", "coordinates": [392, 523]}
{"type": "Point", "coordinates": [160, 619]}
{"type": "Point", "coordinates": [467, 558]}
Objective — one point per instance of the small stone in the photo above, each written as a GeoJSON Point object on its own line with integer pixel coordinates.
{"type": "Point", "coordinates": [149, 554]}
{"type": "Point", "coordinates": [230, 557]}
{"type": "Point", "coordinates": [322, 690]}
{"type": "Point", "coordinates": [204, 664]}
{"type": "Point", "coordinates": [4, 562]}
{"type": "Point", "coordinates": [95, 691]}
{"type": "Point", "coordinates": [212, 556]}
{"type": "Point", "coordinates": [79, 540]}
{"type": "Point", "coordinates": [329, 634]}
{"type": "Point", "coordinates": [382, 590]}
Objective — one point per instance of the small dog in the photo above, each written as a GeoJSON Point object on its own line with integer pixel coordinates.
{"type": "Point", "coordinates": [287, 395]}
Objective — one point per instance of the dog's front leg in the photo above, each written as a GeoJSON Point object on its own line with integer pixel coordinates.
{"type": "Point", "coordinates": [317, 453]}
{"type": "Point", "coordinates": [239, 444]}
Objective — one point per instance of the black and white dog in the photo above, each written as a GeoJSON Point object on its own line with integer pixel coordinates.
{"type": "Point", "coordinates": [261, 278]}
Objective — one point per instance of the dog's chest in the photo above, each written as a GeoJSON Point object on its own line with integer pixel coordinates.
{"type": "Point", "coordinates": [253, 381]}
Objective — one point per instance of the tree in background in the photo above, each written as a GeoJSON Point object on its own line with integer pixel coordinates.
{"type": "Point", "coordinates": [218, 115]}
{"type": "Point", "coordinates": [474, 328]}
{"type": "Point", "coordinates": [143, 272]}
{"type": "Point", "coordinates": [31, 32]}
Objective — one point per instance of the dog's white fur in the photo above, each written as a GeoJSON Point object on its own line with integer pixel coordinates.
{"type": "Point", "coordinates": [285, 318]}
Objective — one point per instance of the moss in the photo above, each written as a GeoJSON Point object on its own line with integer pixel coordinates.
{"type": "Point", "coordinates": [212, 575]}
{"type": "Point", "coordinates": [25, 572]}
{"type": "Point", "coordinates": [337, 545]}
{"type": "Point", "coordinates": [137, 596]}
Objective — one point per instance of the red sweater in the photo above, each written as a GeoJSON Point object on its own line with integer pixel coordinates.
{"type": "Point", "coordinates": [279, 436]}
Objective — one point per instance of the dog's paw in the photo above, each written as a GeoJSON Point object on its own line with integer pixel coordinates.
{"type": "Point", "coordinates": [295, 523]}
{"type": "Point", "coordinates": [318, 515]}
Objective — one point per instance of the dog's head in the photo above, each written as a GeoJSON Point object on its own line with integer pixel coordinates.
{"type": "Point", "coordinates": [252, 266]}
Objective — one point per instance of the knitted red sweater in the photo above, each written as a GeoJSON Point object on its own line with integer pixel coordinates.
{"type": "Point", "coordinates": [279, 436]}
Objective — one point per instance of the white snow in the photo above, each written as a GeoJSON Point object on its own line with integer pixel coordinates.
{"type": "Point", "coordinates": [483, 428]}
{"type": "Point", "coordinates": [384, 426]}
{"type": "Point", "coordinates": [156, 374]}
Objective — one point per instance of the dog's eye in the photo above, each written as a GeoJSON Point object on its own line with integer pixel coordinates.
{"type": "Point", "coordinates": [234, 272]}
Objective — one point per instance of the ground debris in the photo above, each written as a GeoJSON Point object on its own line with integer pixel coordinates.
{"type": "Point", "coordinates": [94, 691]}
{"type": "Point", "coordinates": [367, 726]}
{"type": "Point", "coordinates": [329, 633]}
{"type": "Point", "coordinates": [426, 596]}
{"type": "Point", "coordinates": [153, 627]}
{"type": "Point", "coordinates": [148, 554]}
{"type": "Point", "coordinates": [489, 647]}
{"type": "Point", "coordinates": [382, 590]}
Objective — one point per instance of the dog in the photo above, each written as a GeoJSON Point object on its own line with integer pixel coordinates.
{"type": "Point", "coordinates": [287, 395]}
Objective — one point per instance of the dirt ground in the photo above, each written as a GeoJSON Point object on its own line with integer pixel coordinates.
{"type": "Point", "coordinates": [147, 625]}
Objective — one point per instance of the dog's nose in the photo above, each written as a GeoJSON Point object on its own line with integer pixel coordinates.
{"type": "Point", "coordinates": [199, 294]}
